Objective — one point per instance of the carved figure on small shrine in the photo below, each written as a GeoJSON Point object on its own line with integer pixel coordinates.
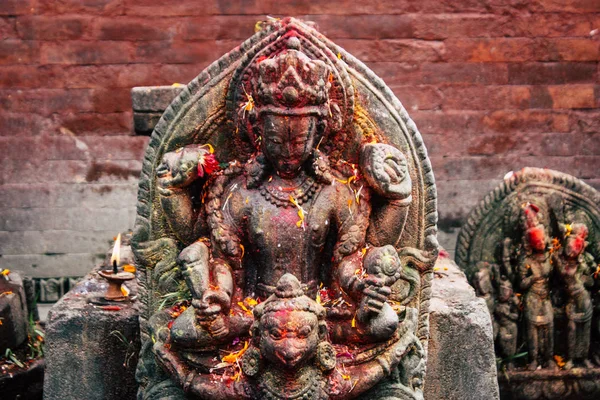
{"type": "Point", "coordinates": [577, 276]}
{"type": "Point", "coordinates": [542, 228]}
{"type": "Point", "coordinates": [506, 315]}
{"type": "Point", "coordinates": [534, 275]}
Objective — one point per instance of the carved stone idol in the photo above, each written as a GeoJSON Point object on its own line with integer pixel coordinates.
{"type": "Point", "coordinates": [286, 231]}
{"type": "Point", "coordinates": [532, 250]}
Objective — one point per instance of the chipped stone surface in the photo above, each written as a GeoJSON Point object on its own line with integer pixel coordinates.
{"type": "Point", "coordinates": [461, 362]}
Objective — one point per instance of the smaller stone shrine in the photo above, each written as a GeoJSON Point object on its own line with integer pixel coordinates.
{"type": "Point", "coordinates": [21, 341]}
{"type": "Point", "coordinates": [531, 249]}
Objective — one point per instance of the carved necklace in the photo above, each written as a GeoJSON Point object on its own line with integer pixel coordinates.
{"type": "Point", "coordinates": [271, 388]}
{"type": "Point", "coordinates": [280, 197]}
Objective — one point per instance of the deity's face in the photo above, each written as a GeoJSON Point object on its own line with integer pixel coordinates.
{"type": "Point", "coordinates": [289, 338]}
{"type": "Point", "coordinates": [287, 141]}
{"type": "Point", "coordinates": [537, 238]}
{"type": "Point", "coordinates": [575, 245]}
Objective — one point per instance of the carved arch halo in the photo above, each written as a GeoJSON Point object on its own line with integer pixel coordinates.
{"type": "Point", "coordinates": [206, 112]}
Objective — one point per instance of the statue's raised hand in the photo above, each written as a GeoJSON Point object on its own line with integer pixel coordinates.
{"type": "Point", "coordinates": [386, 170]}
{"type": "Point", "coordinates": [178, 169]}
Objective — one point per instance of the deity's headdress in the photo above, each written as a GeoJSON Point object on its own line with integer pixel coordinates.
{"type": "Point", "coordinates": [289, 296]}
{"type": "Point", "coordinates": [293, 84]}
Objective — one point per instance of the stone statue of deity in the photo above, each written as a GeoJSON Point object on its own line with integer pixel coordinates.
{"type": "Point", "coordinates": [543, 228]}
{"type": "Point", "coordinates": [506, 315]}
{"type": "Point", "coordinates": [286, 231]}
{"type": "Point", "coordinates": [578, 275]}
{"type": "Point", "coordinates": [534, 268]}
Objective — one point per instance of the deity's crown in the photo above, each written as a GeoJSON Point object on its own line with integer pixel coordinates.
{"type": "Point", "coordinates": [289, 296]}
{"type": "Point", "coordinates": [292, 84]}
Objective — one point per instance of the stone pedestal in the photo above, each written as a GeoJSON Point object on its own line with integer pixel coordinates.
{"type": "Point", "coordinates": [91, 350]}
{"type": "Point", "coordinates": [461, 363]}
{"type": "Point", "coordinates": [13, 312]}
{"type": "Point", "coordinates": [86, 361]}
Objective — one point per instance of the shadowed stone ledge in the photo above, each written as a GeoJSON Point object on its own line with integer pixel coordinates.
{"type": "Point", "coordinates": [461, 363]}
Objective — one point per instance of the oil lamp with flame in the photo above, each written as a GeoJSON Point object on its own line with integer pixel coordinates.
{"type": "Point", "coordinates": [116, 291]}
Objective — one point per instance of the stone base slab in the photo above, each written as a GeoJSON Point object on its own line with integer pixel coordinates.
{"type": "Point", "coordinates": [86, 361]}
{"type": "Point", "coordinates": [546, 384]}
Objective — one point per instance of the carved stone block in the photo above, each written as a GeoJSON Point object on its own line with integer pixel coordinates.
{"type": "Point", "coordinates": [91, 351]}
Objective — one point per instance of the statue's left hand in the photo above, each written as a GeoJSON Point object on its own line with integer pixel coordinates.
{"type": "Point", "coordinates": [376, 292]}
{"type": "Point", "coordinates": [386, 170]}
{"type": "Point", "coordinates": [178, 169]}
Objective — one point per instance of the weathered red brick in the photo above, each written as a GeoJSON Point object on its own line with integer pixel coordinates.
{"type": "Point", "coordinates": [98, 124]}
{"type": "Point", "coordinates": [87, 52]}
{"type": "Point", "coordinates": [168, 52]}
{"type": "Point", "coordinates": [116, 147]}
{"type": "Point", "coordinates": [532, 121]}
{"type": "Point", "coordinates": [571, 49]}
{"type": "Point", "coordinates": [400, 50]}
{"type": "Point", "coordinates": [178, 73]}
{"type": "Point", "coordinates": [365, 26]}
{"type": "Point", "coordinates": [558, 144]}
{"type": "Point", "coordinates": [564, 49]}
{"type": "Point", "coordinates": [398, 73]}
{"type": "Point", "coordinates": [94, 7]}
{"type": "Point", "coordinates": [591, 144]}
{"type": "Point", "coordinates": [490, 97]}
{"type": "Point", "coordinates": [16, 7]}
{"type": "Point", "coordinates": [218, 27]}
{"type": "Point", "coordinates": [587, 166]}
{"type": "Point", "coordinates": [29, 76]}
{"type": "Point", "coordinates": [575, 6]}
{"type": "Point", "coordinates": [299, 8]}
{"type": "Point", "coordinates": [151, 8]}
{"type": "Point", "coordinates": [551, 73]}
{"type": "Point", "coordinates": [586, 121]}
{"type": "Point", "coordinates": [25, 124]}
{"type": "Point", "coordinates": [549, 25]}
{"type": "Point", "coordinates": [46, 101]}
{"type": "Point", "coordinates": [42, 27]}
{"type": "Point", "coordinates": [111, 100]}
{"type": "Point", "coordinates": [109, 76]}
{"type": "Point", "coordinates": [439, 122]}
{"type": "Point", "coordinates": [422, 97]}
{"type": "Point", "coordinates": [471, 73]}
{"type": "Point", "coordinates": [18, 52]}
{"type": "Point", "coordinates": [7, 28]}
{"type": "Point", "coordinates": [133, 28]}
{"type": "Point", "coordinates": [490, 50]}
{"type": "Point", "coordinates": [459, 143]}
{"type": "Point", "coordinates": [443, 26]}
{"type": "Point", "coordinates": [573, 96]}
{"type": "Point", "coordinates": [495, 167]}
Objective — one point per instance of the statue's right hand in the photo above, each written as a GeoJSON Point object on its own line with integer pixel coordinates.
{"type": "Point", "coordinates": [212, 303]}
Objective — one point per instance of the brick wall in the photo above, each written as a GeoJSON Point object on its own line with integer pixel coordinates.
{"type": "Point", "coordinates": [493, 85]}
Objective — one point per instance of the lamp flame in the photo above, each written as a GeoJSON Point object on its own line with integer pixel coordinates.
{"type": "Point", "coordinates": [115, 258]}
